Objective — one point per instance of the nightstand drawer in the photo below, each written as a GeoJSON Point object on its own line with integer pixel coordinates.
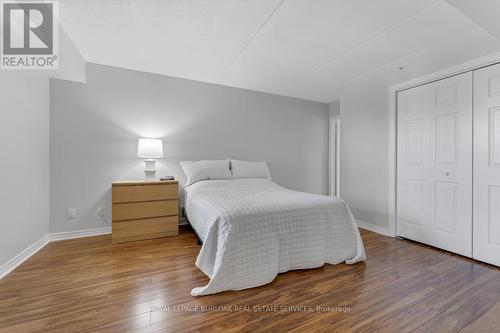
{"type": "Point", "coordinates": [144, 209]}
{"type": "Point", "coordinates": [141, 210]}
{"type": "Point", "coordinates": [126, 231]}
{"type": "Point", "coordinates": [144, 193]}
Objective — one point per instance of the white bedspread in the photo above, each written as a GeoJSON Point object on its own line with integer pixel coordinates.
{"type": "Point", "coordinates": [253, 229]}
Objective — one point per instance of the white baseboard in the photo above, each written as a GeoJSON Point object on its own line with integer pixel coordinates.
{"type": "Point", "coordinates": [53, 237]}
{"type": "Point", "coordinates": [79, 234]}
{"type": "Point", "coordinates": [13, 263]}
{"type": "Point", "coordinates": [375, 228]}
{"type": "Point", "coordinates": [37, 246]}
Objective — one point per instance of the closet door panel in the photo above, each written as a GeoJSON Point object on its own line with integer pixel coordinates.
{"type": "Point", "coordinates": [487, 165]}
{"type": "Point", "coordinates": [413, 164]}
{"type": "Point", "coordinates": [435, 164]}
{"type": "Point", "coordinates": [451, 164]}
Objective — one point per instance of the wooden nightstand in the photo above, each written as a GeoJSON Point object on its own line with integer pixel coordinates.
{"type": "Point", "coordinates": [144, 209]}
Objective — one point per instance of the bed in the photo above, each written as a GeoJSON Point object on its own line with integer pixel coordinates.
{"type": "Point", "coordinates": [252, 229]}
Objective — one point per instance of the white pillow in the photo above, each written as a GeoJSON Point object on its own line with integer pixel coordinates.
{"type": "Point", "coordinates": [245, 169]}
{"type": "Point", "coordinates": [205, 170]}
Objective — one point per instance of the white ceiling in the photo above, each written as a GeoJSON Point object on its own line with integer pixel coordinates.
{"type": "Point", "coordinates": [300, 48]}
{"type": "Point", "coordinates": [483, 12]}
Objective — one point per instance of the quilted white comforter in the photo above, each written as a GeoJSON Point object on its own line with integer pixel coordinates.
{"type": "Point", "coordinates": [253, 229]}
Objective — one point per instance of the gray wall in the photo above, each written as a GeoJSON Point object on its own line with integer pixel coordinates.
{"type": "Point", "coordinates": [24, 169]}
{"type": "Point", "coordinates": [24, 143]}
{"type": "Point", "coordinates": [364, 149]}
{"type": "Point", "coordinates": [94, 129]}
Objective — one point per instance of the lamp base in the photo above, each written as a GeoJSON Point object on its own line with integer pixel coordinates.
{"type": "Point", "coordinates": [150, 169]}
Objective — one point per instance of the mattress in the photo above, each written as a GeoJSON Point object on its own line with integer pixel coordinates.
{"type": "Point", "coordinates": [253, 229]}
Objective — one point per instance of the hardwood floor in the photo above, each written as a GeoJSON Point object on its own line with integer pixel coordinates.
{"type": "Point", "coordinates": [88, 285]}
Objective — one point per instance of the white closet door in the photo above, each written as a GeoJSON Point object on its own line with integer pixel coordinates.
{"type": "Point", "coordinates": [487, 164]}
{"type": "Point", "coordinates": [434, 193]}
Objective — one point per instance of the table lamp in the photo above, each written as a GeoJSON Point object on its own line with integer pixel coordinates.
{"type": "Point", "coordinates": [150, 149]}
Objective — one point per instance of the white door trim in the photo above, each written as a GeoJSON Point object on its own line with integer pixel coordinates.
{"type": "Point", "coordinates": [393, 90]}
{"type": "Point", "coordinates": [337, 156]}
{"type": "Point", "coordinates": [334, 156]}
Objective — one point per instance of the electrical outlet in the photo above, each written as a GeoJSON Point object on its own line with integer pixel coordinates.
{"type": "Point", "coordinates": [71, 213]}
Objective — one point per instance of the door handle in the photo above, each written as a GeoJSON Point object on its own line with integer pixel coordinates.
{"type": "Point", "coordinates": [446, 173]}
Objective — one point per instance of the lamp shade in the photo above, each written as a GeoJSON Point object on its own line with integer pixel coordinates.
{"type": "Point", "coordinates": [150, 148]}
